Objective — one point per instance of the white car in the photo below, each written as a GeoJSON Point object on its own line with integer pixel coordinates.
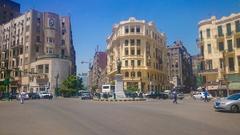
{"type": "Point", "coordinates": [25, 96]}
{"type": "Point", "coordinates": [45, 95]}
{"type": "Point", "coordinates": [200, 96]}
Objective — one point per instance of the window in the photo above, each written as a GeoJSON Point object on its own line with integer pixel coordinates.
{"type": "Point", "coordinates": [138, 52]}
{"type": "Point", "coordinates": [238, 57]}
{"type": "Point", "coordinates": [126, 51]}
{"type": "Point", "coordinates": [209, 64]}
{"type": "Point", "coordinates": [132, 74]}
{"type": "Point", "coordinates": [132, 52]}
{"type": "Point", "coordinates": [132, 63]}
{"type": "Point", "coordinates": [208, 33]}
{"type": "Point", "coordinates": [40, 68]}
{"type": "Point", "coordinates": [139, 62]}
{"type": "Point", "coordinates": [238, 42]}
{"type": "Point", "coordinates": [209, 48]}
{"type": "Point", "coordinates": [126, 42]}
{"type": "Point", "coordinates": [126, 74]}
{"type": "Point", "coordinates": [202, 51]}
{"type": "Point", "coordinates": [221, 62]}
{"type": "Point", "coordinates": [46, 68]}
{"type": "Point", "coordinates": [221, 46]}
{"type": "Point", "coordinates": [229, 30]}
{"type": "Point", "coordinates": [230, 48]}
{"type": "Point", "coordinates": [138, 29]}
{"type": "Point", "coordinates": [139, 74]}
{"type": "Point", "coordinates": [50, 40]}
{"type": "Point", "coordinates": [201, 36]}
{"type": "Point", "coordinates": [132, 41]}
{"type": "Point", "coordinates": [63, 42]}
{"type": "Point", "coordinates": [49, 50]}
{"type": "Point", "coordinates": [132, 29]}
{"type": "Point", "coordinates": [126, 29]}
{"type": "Point", "coordinates": [231, 64]}
{"type": "Point", "coordinates": [138, 42]}
{"type": "Point", "coordinates": [126, 63]}
{"type": "Point", "coordinates": [37, 49]}
{"type": "Point", "coordinates": [220, 33]}
{"type": "Point", "coordinates": [237, 26]}
{"type": "Point", "coordinates": [38, 39]}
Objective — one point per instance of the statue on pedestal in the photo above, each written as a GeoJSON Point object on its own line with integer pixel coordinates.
{"type": "Point", "coordinates": [119, 66]}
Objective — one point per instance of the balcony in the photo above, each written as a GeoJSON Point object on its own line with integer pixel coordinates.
{"type": "Point", "coordinates": [42, 81]}
{"type": "Point", "coordinates": [229, 52]}
{"type": "Point", "coordinates": [229, 34]}
{"type": "Point", "coordinates": [220, 37]}
{"type": "Point", "coordinates": [208, 71]}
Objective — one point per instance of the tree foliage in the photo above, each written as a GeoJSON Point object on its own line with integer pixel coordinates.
{"type": "Point", "coordinates": [71, 86]}
{"type": "Point", "coordinates": [2, 88]}
{"type": "Point", "coordinates": [132, 89]}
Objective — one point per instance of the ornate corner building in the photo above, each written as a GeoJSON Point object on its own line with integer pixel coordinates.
{"type": "Point", "coordinates": [143, 54]}
{"type": "Point", "coordinates": [219, 43]}
{"type": "Point", "coordinates": [37, 49]}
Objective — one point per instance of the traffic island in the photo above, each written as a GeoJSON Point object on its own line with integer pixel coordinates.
{"type": "Point", "coordinates": [120, 100]}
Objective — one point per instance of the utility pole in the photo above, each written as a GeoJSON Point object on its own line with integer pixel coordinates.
{"type": "Point", "coordinates": [56, 89]}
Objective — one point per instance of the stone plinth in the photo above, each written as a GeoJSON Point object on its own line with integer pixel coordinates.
{"type": "Point", "coordinates": [119, 87]}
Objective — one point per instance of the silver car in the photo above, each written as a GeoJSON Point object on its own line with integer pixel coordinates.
{"type": "Point", "coordinates": [231, 103]}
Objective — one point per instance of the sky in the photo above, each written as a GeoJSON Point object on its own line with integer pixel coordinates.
{"type": "Point", "coordinates": [92, 20]}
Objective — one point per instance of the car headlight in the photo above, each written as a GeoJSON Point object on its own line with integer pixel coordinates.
{"type": "Point", "coordinates": [223, 103]}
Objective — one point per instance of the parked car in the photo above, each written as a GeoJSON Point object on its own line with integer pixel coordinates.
{"type": "Point", "coordinates": [86, 96]}
{"type": "Point", "coordinates": [13, 96]}
{"type": "Point", "coordinates": [179, 96]}
{"type": "Point", "coordinates": [25, 96]}
{"type": "Point", "coordinates": [156, 95]}
{"type": "Point", "coordinates": [45, 95]}
{"type": "Point", "coordinates": [34, 95]}
{"type": "Point", "coordinates": [230, 103]}
{"type": "Point", "coordinates": [200, 96]}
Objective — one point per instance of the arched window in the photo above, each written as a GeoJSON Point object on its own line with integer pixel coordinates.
{"type": "Point", "coordinates": [126, 74]}
{"type": "Point", "coordinates": [132, 74]}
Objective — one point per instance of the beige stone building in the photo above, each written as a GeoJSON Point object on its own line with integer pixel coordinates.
{"type": "Point", "coordinates": [142, 51]}
{"type": "Point", "coordinates": [219, 43]}
{"type": "Point", "coordinates": [36, 47]}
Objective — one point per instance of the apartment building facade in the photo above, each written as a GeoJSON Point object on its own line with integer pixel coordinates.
{"type": "Point", "coordinates": [98, 71]}
{"type": "Point", "coordinates": [141, 48]}
{"type": "Point", "coordinates": [180, 66]}
{"type": "Point", "coordinates": [36, 47]}
{"type": "Point", "coordinates": [8, 10]}
{"type": "Point", "coordinates": [219, 43]}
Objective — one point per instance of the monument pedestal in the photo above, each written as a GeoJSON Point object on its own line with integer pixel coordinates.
{"type": "Point", "coordinates": [119, 93]}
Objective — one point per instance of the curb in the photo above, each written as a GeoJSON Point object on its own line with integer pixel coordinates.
{"type": "Point", "coordinates": [119, 100]}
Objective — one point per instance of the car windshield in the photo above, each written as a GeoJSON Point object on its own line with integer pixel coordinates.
{"type": "Point", "coordinates": [234, 97]}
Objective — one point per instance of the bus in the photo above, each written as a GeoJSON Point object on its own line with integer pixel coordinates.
{"type": "Point", "coordinates": [107, 88]}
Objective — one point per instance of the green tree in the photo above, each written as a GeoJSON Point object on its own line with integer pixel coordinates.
{"type": "Point", "coordinates": [2, 88]}
{"type": "Point", "coordinates": [132, 89]}
{"type": "Point", "coordinates": [71, 86]}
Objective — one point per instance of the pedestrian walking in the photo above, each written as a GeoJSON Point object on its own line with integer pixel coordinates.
{"type": "Point", "coordinates": [174, 96]}
{"type": "Point", "coordinates": [205, 95]}
{"type": "Point", "coordinates": [21, 96]}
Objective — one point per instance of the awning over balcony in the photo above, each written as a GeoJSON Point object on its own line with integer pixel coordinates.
{"type": "Point", "coordinates": [234, 86]}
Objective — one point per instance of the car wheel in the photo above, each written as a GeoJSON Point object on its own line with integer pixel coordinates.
{"type": "Point", "coordinates": [234, 108]}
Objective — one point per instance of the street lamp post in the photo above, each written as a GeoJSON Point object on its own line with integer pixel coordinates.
{"type": "Point", "coordinates": [57, 91]}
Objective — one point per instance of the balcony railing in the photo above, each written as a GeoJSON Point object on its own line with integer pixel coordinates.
{"type": "Point", "coordinates": [209, 71]}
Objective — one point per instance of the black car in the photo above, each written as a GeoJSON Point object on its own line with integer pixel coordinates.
{"type": "Point", "coordinates": [86, 96]}
{"type": "Point", "coordinates": [157, 95]}
{"type": "Point", "coordinates": [33, 95]}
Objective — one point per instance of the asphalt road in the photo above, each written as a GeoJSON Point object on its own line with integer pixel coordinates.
{"type": "Point", "coordinates": [75, 117]}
